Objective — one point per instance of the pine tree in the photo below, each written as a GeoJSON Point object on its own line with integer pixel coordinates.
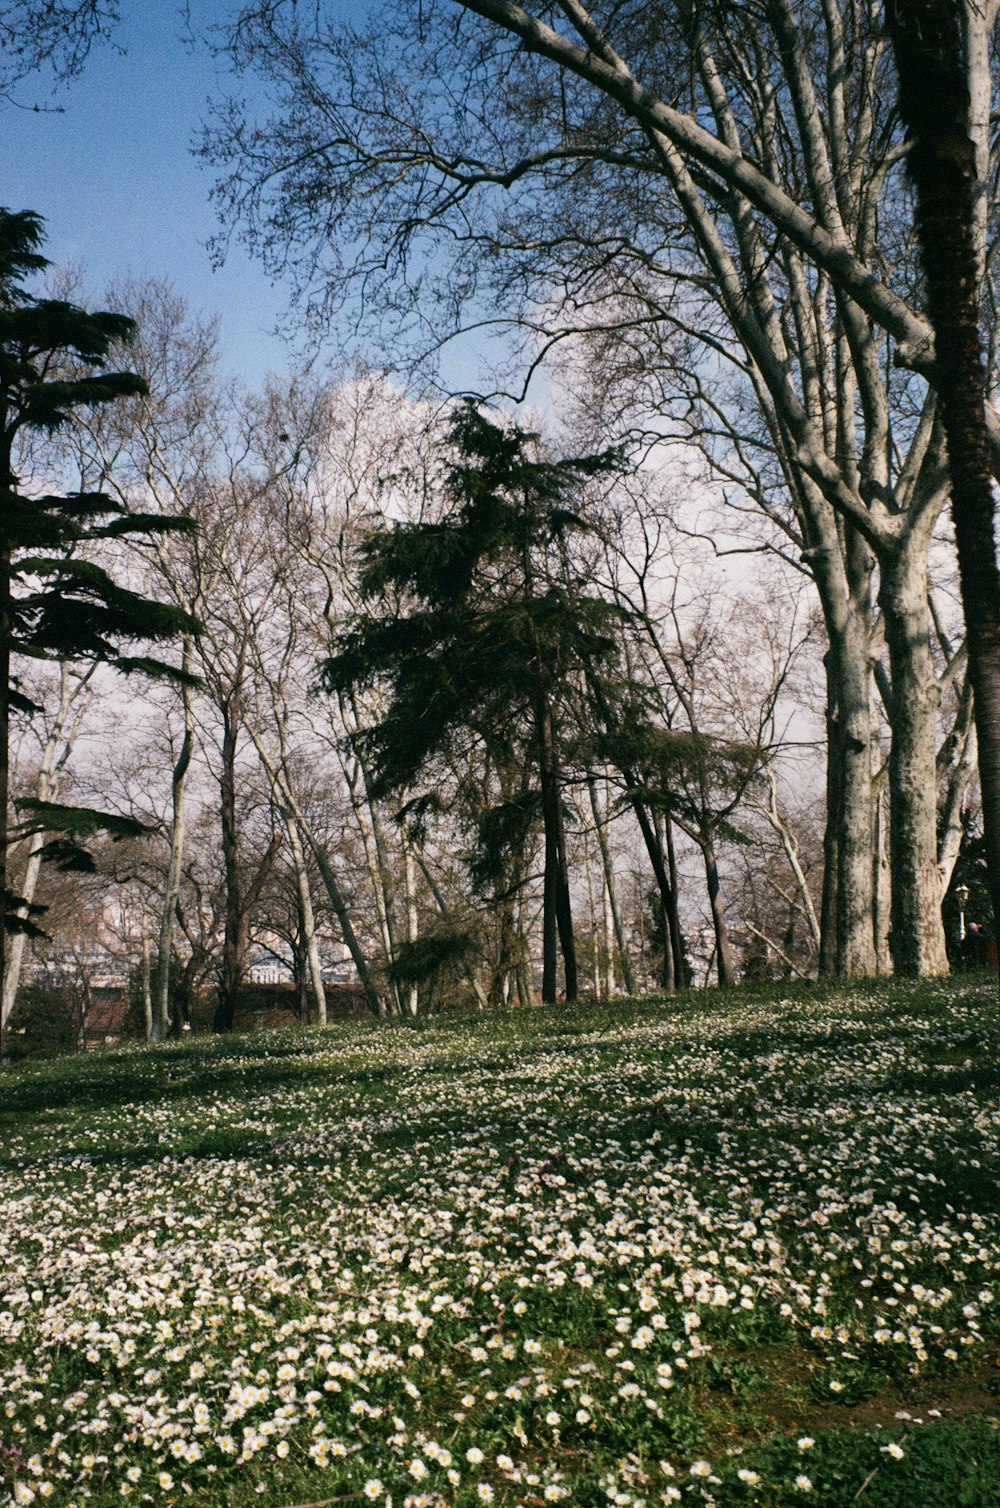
{"type": "Point", "coordinates": [495, 634]}
{"type": "Point", "coordinates": [56, 601]}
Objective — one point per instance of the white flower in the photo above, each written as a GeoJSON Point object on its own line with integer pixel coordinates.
{"type": "Point", "coordinates": [373, 1488]}
{"type": "Point", "coordinates": [895, 1451]}
{"type": "Point", "coordinates": [803, 1484]}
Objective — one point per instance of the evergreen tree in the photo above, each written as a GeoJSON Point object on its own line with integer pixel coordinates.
{"type": "Point", "coordinates": [56, 601]}
{"type": "Point", "coordinates": [494, 637]}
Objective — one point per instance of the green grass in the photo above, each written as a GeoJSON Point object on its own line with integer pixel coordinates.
{"type": "Point", "coordinates": [730, 1248]}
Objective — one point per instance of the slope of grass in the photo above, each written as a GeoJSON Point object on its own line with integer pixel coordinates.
{"type": "Point", "coordinates": [740, 1248]}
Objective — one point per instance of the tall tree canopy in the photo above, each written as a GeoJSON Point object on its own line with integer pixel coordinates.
{"type": "Point", "coordinates": [57, 601]}
{"type": "Point", "coordinates": [709, 200]}
{"type": "Point", "coordinates": [483, 634]}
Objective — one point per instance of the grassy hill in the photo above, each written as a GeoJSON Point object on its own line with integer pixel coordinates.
{"type": "Point", "coordinates": [744, 1248]}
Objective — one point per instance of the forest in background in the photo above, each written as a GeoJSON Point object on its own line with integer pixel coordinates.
{"type": "Point", "coordinates": [700, 707]}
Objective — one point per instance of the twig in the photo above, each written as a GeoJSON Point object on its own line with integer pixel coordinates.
{"type": "Point", "coordinates": [868, 1479]}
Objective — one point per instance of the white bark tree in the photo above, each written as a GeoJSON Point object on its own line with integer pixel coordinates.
{"type": "Point", "coordinates": [166, 446]}
{"type": "Point", "coordinates": [715, 194]}
{"type": "Point", "coordinates": [63, 729]}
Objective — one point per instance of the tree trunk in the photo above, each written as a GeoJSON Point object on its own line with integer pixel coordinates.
{"type": "Point", "coordinates": [235, 933]}
{"type": "Point", "coordinates": [723, 951]}
{"type": "Point", "coordinates": [178, 787]}
{"type": "Point", "coordinates": [308, 918]}
{"type": "Point", "coordinates": [564, 911]}
{"type": "Point", "coordinates": [935, 105]}
{"type": "Point", "coordinates": [550, 863]}
{"type": "Point", "coordinates": [671, 977]}
{"type": "Point", "coordinates": [849, 677]}
{"type": "Point", "coordinates": [376, 851]}
{"type": "Point", "coordinates": [412, 917]}
{"type": "Point", "coordinates": [300, 965]}
{"type": "Point", "coordinates": [147, 986]}
{"type": "Point", "coordinates": [961, 770]}
{"type": "Point", "coordinates": [830, 902]}
{"type": "Point", "coordinates": [654, 850]}
{"type": "Point", "coordinates": [881, 889]}
{"type": "Point", "coordinates": [525, 972]}
{"type": "Point", "coordinates": [666, 832]}
{"type": "Point", "coordinates": [610, 887]}
{"type": "Point", "coordinates": [59, 745]}
{"type": "Point", "coordinates": [917, 934]}
{"type": "Point", "coordinates": [598, 973]}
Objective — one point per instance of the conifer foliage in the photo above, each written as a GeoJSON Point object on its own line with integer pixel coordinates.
{"type": "Point", "coordinates": [57, 601]}
{"type": "Point", "coordinates": [481, 631]}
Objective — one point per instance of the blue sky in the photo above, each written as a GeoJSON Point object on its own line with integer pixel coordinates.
{"type": "Point", "coordinates": [112, 173]}
{"type": "Point", "coordinates": [114, 178]}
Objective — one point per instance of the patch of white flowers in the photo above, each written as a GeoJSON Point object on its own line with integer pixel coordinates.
{"type": "Point", "coordinates": [432, 1268]}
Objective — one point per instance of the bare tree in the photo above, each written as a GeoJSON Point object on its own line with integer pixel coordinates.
{"type": "Point", "coordinates": [714, 194]}
{"type": "Point", "coordinates": [53, 36]}
{"type": "Point", "coordinates": [60, 737]}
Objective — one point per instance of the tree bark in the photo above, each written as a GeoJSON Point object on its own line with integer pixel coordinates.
{"type": "Point", "coordinates": [723, 951]}
{"type": "Point", "coordinates": [58, 748]}
{"type": "Point", "coordinates": [373, 841]}
{"type": "Point", "coordinates": [551, 859]}
{"type": "Point", "coordinates": [881, 887]}
{"type": "Point", "coordinates": [147, 985]}
{"type": "Point", "coordinates": [935, 105]}
{"type": "Point", "coordinates": [235, 934]}
{"type": "Point", "coordinates": [829, 903]}
{"type": "Point", "coordinates": [172, 888]}
{"type": "Point", "coordinates": [564, 908]}
{"type": "Point", "coordinates": [611, 887]}
{"type": "Point", "coordinates": [917, 938]}
{"type": "Point", "coordinates": [412, 916]}
{"type": "Point", "coordinates": [654, 850]}
{"type": "Point", "coordinates": [681, 968]}
{"type": "Point", "coordinates": [308, 918]}
{"type": "Point", "coordinates": [847, 897]}
{"type": "Point", "coordinates": [961, 770]}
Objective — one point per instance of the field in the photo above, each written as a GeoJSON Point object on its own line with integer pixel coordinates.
{"type": "Point", "coordinates": [733, 1249]}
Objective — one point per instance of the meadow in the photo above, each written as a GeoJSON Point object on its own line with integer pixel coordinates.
{"type": "Point", "coordinates": [739, 1248]}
